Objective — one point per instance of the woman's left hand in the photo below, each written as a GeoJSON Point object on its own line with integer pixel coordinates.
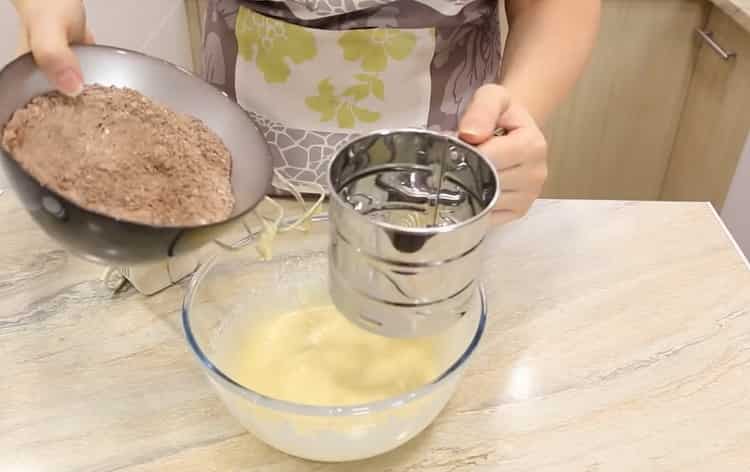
{"type": "Point", "coordinates": [520, 155]}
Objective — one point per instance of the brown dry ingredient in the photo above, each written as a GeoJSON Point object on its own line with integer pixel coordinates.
{"type": "Point", "coordinates": [116, 152]}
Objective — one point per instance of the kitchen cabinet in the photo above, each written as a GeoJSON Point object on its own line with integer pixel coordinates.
{"type": "Point", "coordinates": [659, 113]}
{"type": "Point", "coordinates": [716, 117]}
{"type": "Point", "coordinates": [613, 137]}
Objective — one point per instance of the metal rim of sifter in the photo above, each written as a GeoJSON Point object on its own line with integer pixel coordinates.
{"type": "Point", "coordinates": [335, 190]}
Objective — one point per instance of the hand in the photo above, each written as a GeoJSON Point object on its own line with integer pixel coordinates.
{"type": "Point", "coordinates": [48, 28]}
{"type": "Point", "coordinates": [520, 155]}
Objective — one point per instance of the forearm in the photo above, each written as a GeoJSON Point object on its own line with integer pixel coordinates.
{"type": "Point", "coordinates": [548, 45]}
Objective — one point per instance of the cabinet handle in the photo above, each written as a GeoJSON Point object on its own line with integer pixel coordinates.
{"type": "Point", "coordinates": [708, 37]}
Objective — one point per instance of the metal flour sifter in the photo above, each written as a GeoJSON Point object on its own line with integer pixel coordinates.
{"type": "Point", "coordinates": [409, 213]}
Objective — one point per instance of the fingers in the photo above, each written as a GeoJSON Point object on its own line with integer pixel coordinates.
{"type": "Point", "coordinates": [49, 43]}
{"type": "Point", "coordinates": [512, 205]}
{"type": "Point", "coordinates": [501, 217]}
{"type": "Point", "coordinates": [521, 179]}
{"type": "Point", "coordinates": [89, 38]}
{"type": "Point", "coordinates": [481, 118]}
{"type": "Point", "coordinates": [23, 42]}
{"type": "Point", "coordinates": [520, 155]}
{"type": "Point", "coordinates": [514, 148]}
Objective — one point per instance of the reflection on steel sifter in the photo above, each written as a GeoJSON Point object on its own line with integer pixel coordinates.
{"type": "Point", "coordinates": [409, 213]}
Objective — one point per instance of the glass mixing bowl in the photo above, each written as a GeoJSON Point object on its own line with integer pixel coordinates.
{"type": "Point", "coordinates": [235, 286]}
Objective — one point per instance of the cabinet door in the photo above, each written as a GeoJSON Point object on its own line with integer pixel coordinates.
{"type": "Point", "coordinates": [613, 136]}
{"type": "Point", "coordinates": [716, 118]}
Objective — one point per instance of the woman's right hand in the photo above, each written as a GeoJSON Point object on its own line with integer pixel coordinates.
{"type": "Point", "coordinates": [48, 28]}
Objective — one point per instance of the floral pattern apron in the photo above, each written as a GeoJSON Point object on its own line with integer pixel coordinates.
{"type": "Point", "coordinates": [316, 73]}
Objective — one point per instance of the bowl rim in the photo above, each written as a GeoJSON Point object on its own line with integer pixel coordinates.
{"type": "Point", "coordinates": [315, 410]}
{"type": "Point", "coordinates": [123, 51]}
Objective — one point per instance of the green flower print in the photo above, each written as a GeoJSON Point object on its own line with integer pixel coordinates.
{"type": "Point", "coordinates": [374, 46]}
{"type": "Point", "coordinates": [342, 107]}
{"type": "Point", "coordinates": [372, 85]}
{"type": "Point", "coordinates": [270, 42]}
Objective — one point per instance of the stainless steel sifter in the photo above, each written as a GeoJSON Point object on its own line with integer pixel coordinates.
{"type": "Point", "coordinates": [409, 212]}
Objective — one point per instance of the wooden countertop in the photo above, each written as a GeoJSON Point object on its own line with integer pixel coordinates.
{"type": "Point", "coordinates": [739, 10]}
{"type": "Point", "coordinates": [619, 339]}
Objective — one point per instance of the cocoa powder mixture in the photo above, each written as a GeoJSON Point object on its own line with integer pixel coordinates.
{"type": "Point", "coordinates": [114, 151]}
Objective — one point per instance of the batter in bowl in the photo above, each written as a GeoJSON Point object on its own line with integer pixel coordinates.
{"type": "Point", "coordinates": [318, 357]}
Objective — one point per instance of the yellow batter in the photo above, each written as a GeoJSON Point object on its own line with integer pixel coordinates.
{"type": "Point", "coordinates": [318, 357]}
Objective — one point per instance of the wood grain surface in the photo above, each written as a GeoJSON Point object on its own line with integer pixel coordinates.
{"type": "Point", "coordinates": [613, 136]}
{"type": "Point", "coordinates": [715, 120]}
{"type": "Point", "coordinates": [618, 340]}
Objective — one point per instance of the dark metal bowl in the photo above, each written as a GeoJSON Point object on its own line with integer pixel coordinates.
{"type": "Point", "coordinates": [103, 239]}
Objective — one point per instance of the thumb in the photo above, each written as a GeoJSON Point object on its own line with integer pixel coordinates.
{"type": "Point", "coordinates": [52, 53]}
{"type": "Point", "coordinates": [481, 118]}
{"type": "Point", "coordinates": [23, 42]}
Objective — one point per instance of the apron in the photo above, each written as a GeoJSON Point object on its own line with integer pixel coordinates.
{"type": "Point", "coordinates": [314, 74]}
